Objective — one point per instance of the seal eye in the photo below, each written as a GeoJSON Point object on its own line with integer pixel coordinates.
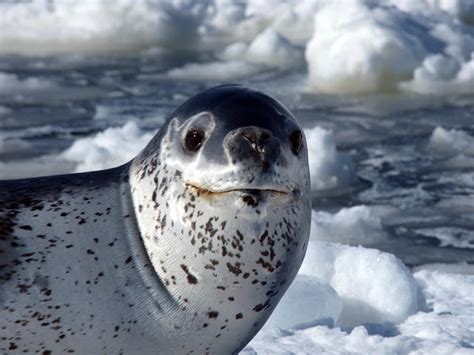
{"type": "Point", "coordinates": [296, 141]}
{"type": "Point", "coordinates": [193, 140]}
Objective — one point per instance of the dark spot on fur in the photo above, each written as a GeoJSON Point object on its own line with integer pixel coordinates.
{"type": "Point", "coordinates": [212, 314]}
{"type": "Point", "coordinates": [191, 278]}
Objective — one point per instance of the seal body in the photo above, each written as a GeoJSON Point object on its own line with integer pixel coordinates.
{"type": "Point", "coordinates": [186, 249]}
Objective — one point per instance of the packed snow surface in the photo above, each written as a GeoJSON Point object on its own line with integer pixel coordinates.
{"type": "Point", "coordinates": [427, 312]}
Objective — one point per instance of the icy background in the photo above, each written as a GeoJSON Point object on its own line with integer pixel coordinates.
{"type": "Point", "coordinates": [383, 89]}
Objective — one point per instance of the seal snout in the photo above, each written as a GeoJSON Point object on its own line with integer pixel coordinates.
{"type": "Point", "coordinates": [255, 145]}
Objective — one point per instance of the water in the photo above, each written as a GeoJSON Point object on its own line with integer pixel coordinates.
{"type": "Point", "coordinates": [387, 136]}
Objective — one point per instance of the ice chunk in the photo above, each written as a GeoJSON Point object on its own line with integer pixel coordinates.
{"type": "Point", "coordinates": [306, 302]}
{"type": "Point", "coordinates": [357, 48]}
{"type": "Point", "coordinates": [50, 27]}
{"type": "Point", "coordinates": [451, 142]}
{"type": "Point", "coordinates": [273, 50]}
{"type": "Point", "coordinates": [445, 292]}
{"type": "Point", "coordinates": [358, 225]}
{"type": "Point", "coordinates": [112, 147]}
{"type": "Point", "coordinates": [329, 168]}
{"type": "Point", "coordinates": [219, 70]}
{"type": "Point", "coordinates": [440, 74]}
{"type": "Point", "coordinates": [375, 287]}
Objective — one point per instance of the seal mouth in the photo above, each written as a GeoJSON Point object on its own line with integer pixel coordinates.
{"type": "Point", "coordinates": [244, 190]}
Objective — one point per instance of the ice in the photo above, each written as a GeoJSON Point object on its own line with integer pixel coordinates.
{"type": "Point", "coordinates": [451, 317]}
{"type": "Point", "coordinates": [457, 268]}
{"type": "Point", "coordinates": [375, 287]}
{"type": "Point", "coordinates": [440, 74]}
{"type": "Point", "coordinates": [271, 49]}
{"type": "Point", "coordinates": [238, 60]}
{"type": "Point", "coordinates": [359, 47]}
{"type": "Point", "coordinates": [110, 148]}
{"type": "Point", "coordinates": [352, 46]}
{"type": "Point", "coordinates": [451, 142]}
{"type": "Point", "coordinates": [347, 286]}
{"type": "Point", "coordinates": [329, 168]}
{"type": "Point", "coordinates": [307, 302]}
{"type": "Point", "coordinates": [356, 48]}
{"type": "Point", "coordinates": [217, 70]}
{"type": "Point", "coordinates": [443, 327]}
{"type": "Point", "coordinates": [450, 236]}
{"type": "Point", "coordinates": [43, 27]}
{"type": "Point", "coordinates": [358, 225]}
{"type": "Point", "coordinates": [11, 84]}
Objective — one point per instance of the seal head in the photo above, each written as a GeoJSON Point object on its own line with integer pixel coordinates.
{"type": "Point", "coordinates": [222, 202]}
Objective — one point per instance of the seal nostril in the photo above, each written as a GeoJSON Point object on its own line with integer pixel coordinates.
{"type": "Point", "coordinates": [258, 139]}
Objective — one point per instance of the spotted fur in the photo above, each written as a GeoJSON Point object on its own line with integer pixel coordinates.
{"type": "Point", "coordinates": [176, 252]}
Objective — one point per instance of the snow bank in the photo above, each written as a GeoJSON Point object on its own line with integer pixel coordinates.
{"type": "Point", "coordinates": [112, 147]}
{"type": "Point", "coordinates": [307, 302]}
{"type": "Point", "coordinates": [358, 225]}
{"type": "Point", "coordinates": [356, 48]}
{"type": "Point", "coordinates": [348, 286]}
{"type": "Point", "coordinates": [440, 74]}
{"type": "Point", "coordinates": [353, 46]}
{"type": "Point", "coordinates": [271, 49]}
{"type": "Point", "coordinates": [268, 50]}
{"type": "Point", "coordinates": [49, 27]}
{"type": "Point", "coordinates": [444, 328]}
{"type": "Point", "coordinates": [363, 46]}
{"type": "Point", "coordinates": [329, 168]}
{"type": "Point", "coordinates": [375, 287]}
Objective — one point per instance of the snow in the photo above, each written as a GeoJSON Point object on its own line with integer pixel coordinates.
{"type": "Point", "coordinates": [358, 225]}
{"type": "Point", "coordinates": [443, 325]}
{"type": "Point", "coordinates": [451, 142]}
{"type": "Point", "coordinates": [375, 287]}
{"type": "Point", "coordinates": [354, 46]}
{"type": "Point", "coordinates": [329, 168]}
{"type": "Point", "coordinates": [112, 147]}
{"type": "Point", "coordinates": [358, 49]}
{"type": "Point", "coordinates": [271, 49]}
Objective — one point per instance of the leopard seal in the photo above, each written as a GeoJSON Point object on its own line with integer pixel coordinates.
{"type": "Point", "coordinates": [186, 249]}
